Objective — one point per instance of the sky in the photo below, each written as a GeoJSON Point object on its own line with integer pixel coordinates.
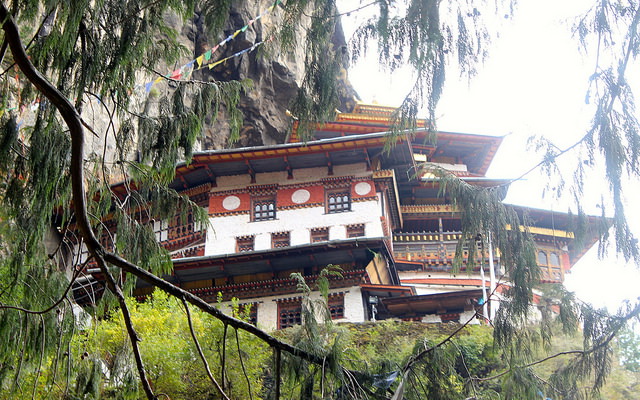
{"type": "Point", "coordinates": [534, 82]}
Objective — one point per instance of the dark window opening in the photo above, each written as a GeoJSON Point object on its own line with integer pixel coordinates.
{"type": "Point", "coordinates": [289, 314]}
{"type": "Point", "coordinates": [355, 230]}
{"type": "Point", "coordinates": [319, 235]}
{"type": "Point", "coordinates": [280, 239]}
{"type": "Point", "coordinates": [245, 243]}
{"type": "Point", "coordinates": [247, 312]}
{"type": "Point", "coordinates": [336, 306]}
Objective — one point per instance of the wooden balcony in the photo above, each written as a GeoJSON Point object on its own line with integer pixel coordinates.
{"type": "Point", "coordinates": [432, 251]}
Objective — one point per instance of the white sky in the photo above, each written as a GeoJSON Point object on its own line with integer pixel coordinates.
{"type": "Point", "coordinates": [533, 83]}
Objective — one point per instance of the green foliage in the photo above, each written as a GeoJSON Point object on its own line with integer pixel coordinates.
{"type": "Point", "coordinates": [99, 50]}
{"type": "Point", "coordinates": [102, 363]}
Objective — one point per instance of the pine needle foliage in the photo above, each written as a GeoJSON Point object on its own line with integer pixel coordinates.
{"type": "Point", "coordinates": [429, 37]}
{"type": "Point", "coordinates": [99, 50]}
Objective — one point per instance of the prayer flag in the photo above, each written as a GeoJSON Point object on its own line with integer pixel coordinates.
{"type": "Point", "coordinates": [199, 60]}
{"type": "Point", "coordinates": [148, 86]}
{"type": "Point", "coordinates": [218, 62]}
{"type": "Point", "coordinates": [207, 55]}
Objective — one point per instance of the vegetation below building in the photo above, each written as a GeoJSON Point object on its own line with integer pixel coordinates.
{"type": "Point", "coordinates": [100, 363]}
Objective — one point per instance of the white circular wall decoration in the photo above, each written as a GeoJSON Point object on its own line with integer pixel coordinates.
{"type": "Point", "coordinates": [362, 188]}
{"type": "Point", "coordinates": [231, 202]}
{"type": "Point", "coordinates": [300, 196]}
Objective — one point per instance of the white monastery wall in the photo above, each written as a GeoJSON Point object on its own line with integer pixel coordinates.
{"type": "Point", "coordinates": [267, 311]}
{"type": "Point", "coordinates": [297, 220]}
{"type": "Point", "coordinates": [221, 237]}
{"type": "Point", "coordinates": [454, 282]}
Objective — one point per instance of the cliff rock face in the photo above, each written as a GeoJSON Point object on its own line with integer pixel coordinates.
{"type": "Point", "coordinates": [276, 77]}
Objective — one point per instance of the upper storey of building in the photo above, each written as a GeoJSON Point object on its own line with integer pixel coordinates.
{"type": "Point", "coordinates": [463, 154]}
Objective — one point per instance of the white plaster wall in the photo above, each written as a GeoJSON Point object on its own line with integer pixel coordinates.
{"type": "Point", "coordinates": [431, 319]}
{"type": "Point", "coordinates": [464, 317]}
{"type": "Point", "coordinates": [353, 306]}
{"type": "Point", "coordinates": [268, 307]}
{"type": "Point", "coordinates": [221, 239]}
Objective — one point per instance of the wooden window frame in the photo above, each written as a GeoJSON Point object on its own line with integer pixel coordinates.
{"type": "Point", "coordinates": [318, 235]}
{"type": "Point", "coordinates": [550, 272]}
{"type": "Point", "coordinates": [263, 214]}
{"type": "Point", "coordinates": [337, 200]}
{"type": "Point", "coordinates": [335, 302]}
{"type": "Point", "coordinates": [252, 317]}
{"type": "Point", "coordinates": [245, 243]}
{"type": "Point", "coordinates": [289, 313]}
{"type": "Point", "coordinates": [280, 240]}
{"type": "Point", "coordinates": [355, 230]}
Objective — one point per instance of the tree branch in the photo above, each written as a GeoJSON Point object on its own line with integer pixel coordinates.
{"type": "Point", "coordinates": [133, 336]}
{"type": "Point", "coordinates": [76, 131]}
{"type": "Point", "coordinates": [204, 359]}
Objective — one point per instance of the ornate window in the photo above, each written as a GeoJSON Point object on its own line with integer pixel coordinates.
{"type": "Point", "coordinates": [542, 258]}
{"type": "Point", "coordinates": [289, 313]}
{"type": "Point", "coordinates": [280, 239]}
{"type": "Point", "coordinates": [161, 229]}
{"type": "Point", "coordinates": [338, 200]}
{"type": "Point", "coordinates": [245, 243]}
{"type": "Point", "coordinates": [247, 312]}
{"type": "Point", "coordinates": [355, 230]}
{"type": "Point", "coordinates": [336, 305]}
{"type": "Point", "coordinates": [319, 234]}
{"type": "Point", "coordinates": [551, 266]}
{"type": "Point", "coordinates": [263, 208]}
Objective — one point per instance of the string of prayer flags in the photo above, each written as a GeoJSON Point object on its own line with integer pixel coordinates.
{"type": "Point", "coordinates": [241, 52]}
{"type": "Point", "coordinates": [206, 56]}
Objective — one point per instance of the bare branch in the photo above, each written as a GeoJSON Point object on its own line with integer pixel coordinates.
{"type": "Point", "coordinates": [204, 359]}
{"type": "Point", "coordinates": [133, 336]}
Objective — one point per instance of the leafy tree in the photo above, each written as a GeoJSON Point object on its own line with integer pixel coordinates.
{"type": "Point", "coordinates": [65, 53]}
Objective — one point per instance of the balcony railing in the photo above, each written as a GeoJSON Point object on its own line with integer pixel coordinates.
{"type": "Point", "coordinates": [434, 250]}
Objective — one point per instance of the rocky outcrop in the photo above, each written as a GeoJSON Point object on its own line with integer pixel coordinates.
{"type": "Point", "coordinates": [275, 77]}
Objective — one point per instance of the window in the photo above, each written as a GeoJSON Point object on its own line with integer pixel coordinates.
{"type": "Point", "coordinates": [338, 200]}
{"type": "Point", "coordinates": [245, 243]}
{"type": "Point", "coordinates": [319, 234]}
{"type": "Point", "coordinates": [289, 313]}
{"type": "Point", "coordinates": [264, 208]}
{"type": "Point", "coordinates": [542, 258]}
{"type": "Point", "coordinates": [450, 317]}
{"type": "Point", "coordinates": [551, 266]}
{"type": "Point", "coordinates": [355, 230]}
{"type": "Point", "coordinates": [247, 312]}
{"type": "Point", "coordinates": [161, 229]}
{"type": "Point", "coordinates": [280, 239]}
{"type": "Point", "coordinates": [336, 306]}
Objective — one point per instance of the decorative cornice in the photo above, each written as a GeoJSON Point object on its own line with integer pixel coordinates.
{"type": "Point", "coordinates": [204, 188]}
{"type": "Point", "coordinates": [430, 208]}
